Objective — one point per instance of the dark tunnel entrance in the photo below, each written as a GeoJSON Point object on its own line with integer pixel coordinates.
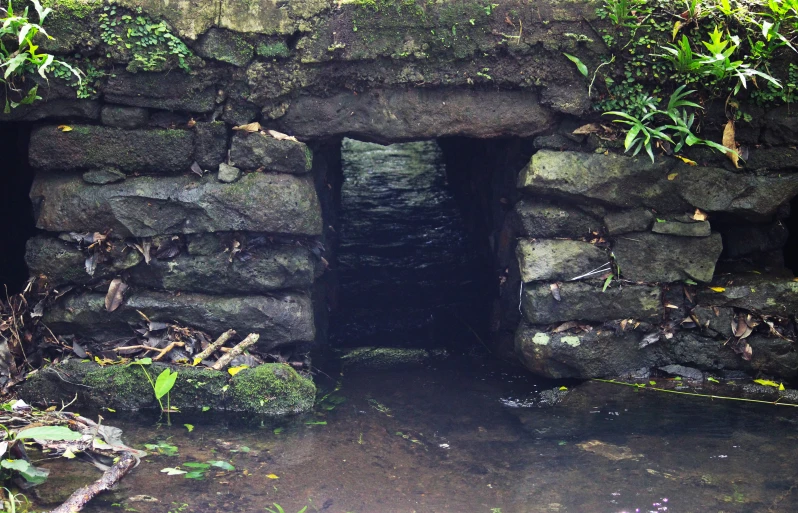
{"type": "Point", "coordinates": [16, 215]}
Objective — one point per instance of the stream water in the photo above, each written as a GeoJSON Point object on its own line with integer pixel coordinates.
{"type": "Point", "coordinates": [464, 437]}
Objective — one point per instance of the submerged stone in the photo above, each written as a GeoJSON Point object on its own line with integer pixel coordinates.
{"type": "Point", "coordinates": [386, 357]}
{"type": "Point", "coordinates": [651, 257]}
{"type": "Point", "coordinates": [269, 389]}
{"type": "Point", "coordinates": [557, 259]}
{"type": "Point", "coordinates": [258, 150]}
{"type": "Point", "coordinates": [148, 206]}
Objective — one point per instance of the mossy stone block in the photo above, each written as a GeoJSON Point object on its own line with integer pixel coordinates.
{"type": "Point", "coordinates": [225, 46]}
{"type": "Point", "coordinates": [273, 389]}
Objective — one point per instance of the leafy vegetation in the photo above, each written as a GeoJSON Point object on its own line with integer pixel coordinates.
{"type": "Point", "coordinates": [162, 385]}
{"type": "Point", "coordinates": [20, 55]}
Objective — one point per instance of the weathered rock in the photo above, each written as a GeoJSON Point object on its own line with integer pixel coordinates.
{"type": "Point", "coordinates": [570, 98]}
{"type": "Point", "coordinates": [744, 239]}
{"type": "Point", "coordinates": [715, 321]}
{"type": "Point", "coordinates": [781, 159]}
{"type": "Point", "coordinates": [585, 301]}
{"type": "Point", "coordinates": [537, 219]}
{"type": "Point", "coordinates": [228, 173]}
{"type": "Point", "coordinates": [103, 176]}
{"type": "Point", "coordinates": [698, 229]}
{"type": "Point", "coordinates": [256, 150]}
{"type": "Point", "coordinates": [557, 142]}
{"type": "Point", "coordinates": [225, 46]}
{"type": "Point", "coordinates": [403, 115]}
{"type": "Point", "coordinates": [270, 389]}
{"type": "Point", "coordinates": [205, 244]}
{"type": "Point", "coordinates": [386, 357]}
{"type": "Point", "coordinates": [91, 147]}
{"type": "Point", "coordinates": [210, 144]}
{"type": "Point", "coordinates": [685, 372]}
{"type": "Point", "coordinates": [54, 108]}
{"type": "Point", "coordinates": [167, 91]}
{"type": "Point", "coordinates": [280, 319]}
{"type": "Point", "coordinates": [628, 221]}
{"type": "Point", "coordinates": [62, 262]}
{"type": "Point", "coordinates": [629, 182]}
{"type": "Point", "coordinates": [781, 126]}
{"type": "Point", "coordinates": [770, 295]}
{"type": "Point", "coordinates": [261, 270]}
{"type": "Point", "coordinates": [555, 260]}
{"type": "Point", "coordinates": [147, 206]}
{"type": "Point", "coordinates": [652, 257]}
{"type": "Point", "coordinates": [124, 117]}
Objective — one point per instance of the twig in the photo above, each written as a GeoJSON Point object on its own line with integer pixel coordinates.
{"type": "Point", "coordinates": [224, 337]}
{"type": "Point", "coordinates": [162, 352]}
{"type": "Point", "coordinates": [110, 477]}
{"type": "Point", "coordinates": [598, 270]}
{"type": "Point", "coordinates": [222, 362]}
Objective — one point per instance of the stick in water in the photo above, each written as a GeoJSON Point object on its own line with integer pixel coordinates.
{"type": "Point", "coordinates": [110, 477]}
{"type": "Point", "coordinates": [242, 346]}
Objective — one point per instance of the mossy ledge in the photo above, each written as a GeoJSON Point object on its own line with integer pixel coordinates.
{"type": "Point", "coordinates": [269, 389]}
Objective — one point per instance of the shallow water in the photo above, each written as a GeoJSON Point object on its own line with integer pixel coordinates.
{"type": "Point", "coordinates": [446, 439]}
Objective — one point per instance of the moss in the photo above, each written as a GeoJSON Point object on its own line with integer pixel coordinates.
{"type": "Point", "coordinates": [272, 388]}
{"type": "Point", "coordinates": [384, 357]}
{"type": "Point", "coordinates": [78, 8]}
{"type": "Point", "coordinates": [273, 50]}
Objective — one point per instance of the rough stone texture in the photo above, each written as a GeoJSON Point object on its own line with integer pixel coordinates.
{"type": "Point", "coordinates": [584, 301]}
{"type": "Point", "coordinates": [122, 387]}
{"type": "Point", "coordinates": [262, 270]}
{"type": "Point", "coordinates": [228, 173]}
{"type": "Point", "coordinates": [103, 176]}
{"type": "Point", "coordinates": [225, 46]}
{"type": "Point", "coordinates": [280, 319]}
{"type": "Point", "coordinates": [210, 144]}
{"type": "Point", "coordinates": [62, 262]}
{"type": "Point", "coordinates": [268, 17]}
{"type": "Point", "coordinates": [147, 206]}
{"type": "Point", "coordinates": [714, 321]}
{"type": "Point", "coordinates": [557, 259]}
{"type": "Point", "coordinates": [651, 257]}
{"type": "Point", "coordinates": [770, 295]}
{"type": "Point", "coordinates": [59, 108]}
{"type": "Point", "coordinates": [384, 357]}
{"type": "Point", "coordinates": [533, 218]}
{"type": "Point", "coordinates": [773, 159]}
{"type": "Point", "coordinates": [402, 115]}
{"type": "Point", "coordinates": [190, 17]}
{"type": "Point", "coordinates": [628, 182]}
{"type": "Point", "coordinates": [745, 239]}
{"type": "Point", "coordinates": [629, 221]}
{"type": "Point", "coordinates": [781, 126]}
{"type": "Point", "coordinates": [124, 117]}
{"type": "Point", "coordinates": [168, 91]}
{"type": "Point", "coordinates": [91, 147]}
{"type": "Point", "coordinates": [700, 229]}
{"type": "Point", "coordinates": [256, 150]}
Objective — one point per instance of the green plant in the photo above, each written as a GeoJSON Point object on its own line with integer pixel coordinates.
{"type": "Point", "coordinates": [161, 386]}
{"type": "Point", "coordinates": [19, 54]}
{"type": "Point", "coordinates": [279, 509]}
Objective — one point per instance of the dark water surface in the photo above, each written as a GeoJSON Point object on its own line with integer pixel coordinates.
{"type": "Point", "coordinates": [452, 439]}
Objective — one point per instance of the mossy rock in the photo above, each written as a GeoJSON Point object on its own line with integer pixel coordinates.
{"type": "Point", "coordinates": [270, 389]}
{"type": "Point", "coordinates": [387, 357]}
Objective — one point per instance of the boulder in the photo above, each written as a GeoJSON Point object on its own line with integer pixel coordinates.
{"type": "Point", "coordinates": [258, 150]}
{"type": "Point", "coordinates": [537, 219]}
{"type": "Point", "coordinates": [93, 147]}
{"type": "Point", "coordinates": [651, 257]}
{"type": "Point", "coordinates": [557, 259]}
{"type": "Point", "coordinates": [637, 220]}
{"type": "Point", "coordinates": [147, 206]}
{"type": "Point", "coordinates": [280, 319]}
{"type": "Point", "coordinates": [393, 115]}
{"type": "Point", "coordinates": [633, 182]}
{"type": "Point", "coordinates": [585, 301]}
{"type": "Point", "coordinates": [766, 294]}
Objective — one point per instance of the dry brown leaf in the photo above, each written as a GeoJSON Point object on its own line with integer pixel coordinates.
{"type": "Point", "coordinates": [590, 128]}
{"type": "Point", "coordinates": [281, 136]}
{"type": "Point", "coordinates": [249, 128]}
{"type": "Point", "coordinates": [747, 352]}
{"type": "Point", "coordinates": [672, 176]}
{"type": "Point", "coordinates": [670, 305]}
{"type": "Point", "coordinates": [191, 123]}
{"type": "Point", "coordinates": [196, 169]}
{"type": "Point", "coordinates": [565, 326]}
{"type": "Point", "coordinates": [731, 143]}
{"type": "Point", "coordinates": [698, 215]}
{"type": "Point", "coordinates": [555, 291]}
{"type": "Point", "coordinates": [115, 295]}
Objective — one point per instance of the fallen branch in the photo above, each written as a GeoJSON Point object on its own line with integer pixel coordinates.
{"type": "Point", "coordinates": [224, 337]}
{"type": "Point", "coordinates": [110, 477]}
{"type": "Point", "coordinates": [242, 346]}
{"type": "Point", "coordinates": [162, 352]}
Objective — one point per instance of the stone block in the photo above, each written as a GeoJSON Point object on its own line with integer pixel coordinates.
{"type": "Point", "coordinates": [584, 301]}
{"type": "Point", "coordinates": [165, 90]}
{"type": "Point", "coordinates": [125, 117]}
{"type": "Point", "coordinates": [695, 229]}
{"type": "Point", "coordinates": [258, 150]}
{"type": "Point", "coordinates": [148, 206]}
{"type": "Point", "coordinates": [651, 257]}
{"type": "Point", "coordinates": [637, 220]}
{"type": "Point", "coordinates": [766, 294]}
{"type": "Point", "coordinates": [210, 144]}
{"type": "Point", "coordinates": [279, 319]}
{"type": "Point", "coordinates": [94, 147]}
{"type": "Point", "coordinates": [555, 260]}
{"type": "Point", "coordinates": [103, 176]}
{"type": "Point", "coordinates": [64, 263]}
{"type": "Point", "coordinates": [227, 173]}
{"type": "Point", "coordinates": [225, 46]}
{"type": "Point", "coordinates": [533, 218]}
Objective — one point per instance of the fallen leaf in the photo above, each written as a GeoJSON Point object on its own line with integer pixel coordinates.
{"type": "Point", "coordinates": [272, 476]}
{"type": "Point", "coordinates": [65, 128]}
{"type": "Point", "coordinates": [747, 352]}
{"type": "Point", "coordinates": [712, 380]}
{"type": "Point", "coordinates": [718, 289]}
{"type": "Point", "coordinates": [670, 305]}
{"type": "Point", "coordinates": [672, 176]}
{"type": "Point", "coordinates": [169, 471]}
{"type": "Point", "coordinates": [686, 161]}
{"type": "Point", "coordinates": [555, 291]}
{"type": "Point", "coordinates": [191, 123]}
{"type": "Point", "coordinates": [730, 143]}
{"type": "Point", "coordinates": [676, 27]}
{"type": "Point", "coordinates": [649, 339]}
{"type": "Point", "coordinates": [196, 169]}
{"type": "Point", "coordinates": [235, 370]}
{"type": "Point", "coordinates": [190, 427]}
{"type": "Point", "coordinates": [565, 326]}
{"type": "Point", "coordinates": [590, 128]}
{"type": "Point", "coordinates": [249, 128]}
{"type": "Point", "coordinates": [281, 136]}
{"type": "Point", "coordinates": [115, 295]}
{"type": "Point", "coordinates": [767, 383]}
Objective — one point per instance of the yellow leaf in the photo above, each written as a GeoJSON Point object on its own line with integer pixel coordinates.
{"type": "Point", "coordinates": [781, 386]}
{"type": "Point", "coordinates": [718, 289]}
{"type": "Point", "coordinates": [699, 215]}
{"type": "Point", "coordinates": [729, 142]}
{"type": "Point", "coordinates": [51, 408]}
{"type": "Point", "coordinates": [563, 388]}
{"type": "Point", "coordinates": [235, 370]}
{"type": "Point", "coordinates": [65, 128]}
{"type": "Point", "coordinates": [676, 27]}
{"type": "Point", "coordinates": [672, 176]}
{"type": "Point", "coordinates": [196, 361]}
{"type": "Point", "coordinates": [767, 383]}
{"type": "Point", "coordinates": [272, 476]}
{"type": "Point", "coordinates": [712, 380]}
{"type": "Point", "coordinates": [68, 454]}
{"type": "Point", "coordinates": [686, 160]}
{"type": "Point", "coordinates": [251, 127]}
